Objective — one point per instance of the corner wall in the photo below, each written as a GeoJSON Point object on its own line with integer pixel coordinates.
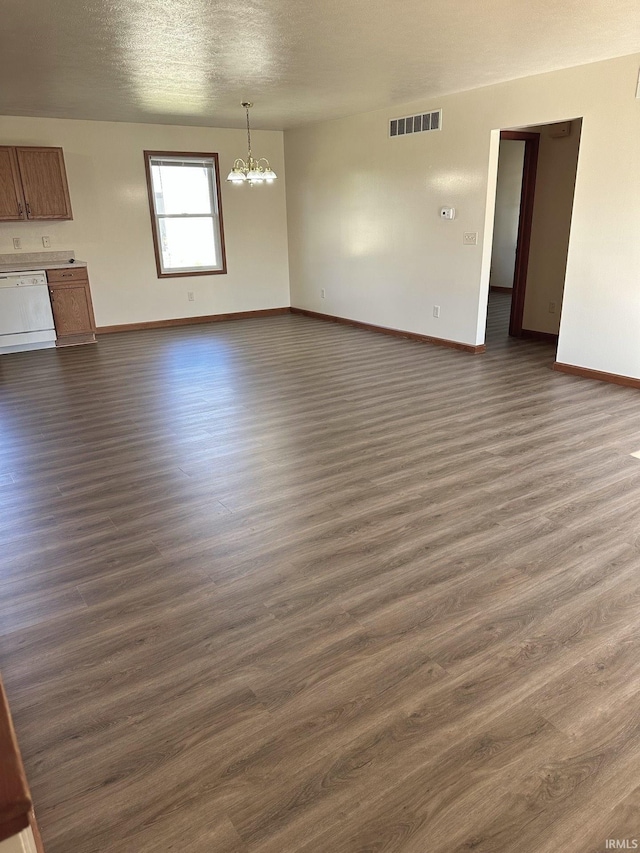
{"type": "Point", "coordinates": [507, 213]}
{"type": "Point", "coordinates": [550, 229]}
{"type": "Point", "coordinates": [111, 228]}
{"type": "Point", "coordinates": [363, 213]}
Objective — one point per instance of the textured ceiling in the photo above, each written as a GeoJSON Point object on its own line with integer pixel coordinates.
{"type": "Point", "coordinates": [193, 61]}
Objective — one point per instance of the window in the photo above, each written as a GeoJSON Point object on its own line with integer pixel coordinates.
{"type": "Point", "coordinates": [186, 214]}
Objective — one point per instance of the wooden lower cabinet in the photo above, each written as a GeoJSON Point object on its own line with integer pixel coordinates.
{"type": "Point", "coordinates": [72, 308]}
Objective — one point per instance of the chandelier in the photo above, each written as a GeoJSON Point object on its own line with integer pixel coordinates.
{"type": "Point", "coordinates": [251, 170]}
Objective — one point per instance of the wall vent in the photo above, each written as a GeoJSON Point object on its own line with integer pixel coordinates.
{"type": "Point", "coordinates": [416, 124]}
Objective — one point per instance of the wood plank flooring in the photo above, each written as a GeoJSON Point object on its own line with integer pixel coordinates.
{"type": "Point", "coordinates": [281, 585]}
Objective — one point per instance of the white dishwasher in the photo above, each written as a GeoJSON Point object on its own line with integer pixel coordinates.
{"type": "Point", "coordinates": [26, 320]}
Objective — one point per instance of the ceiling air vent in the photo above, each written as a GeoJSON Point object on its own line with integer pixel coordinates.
{"type": "Point", "coordinates": [416, 124]}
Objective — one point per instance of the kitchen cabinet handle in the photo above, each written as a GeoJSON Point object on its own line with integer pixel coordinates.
{"type": "Point", "coordinates": [19, 208]}
{"type": "Point", "coordinates": [28, 210]}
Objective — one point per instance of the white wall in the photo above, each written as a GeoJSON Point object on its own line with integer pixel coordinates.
{"type": "Point", "coordinates": [552, 212]}
{"type": "Point", "coordinates": [111, 228]}
{"type": "Point", "coordinates": [21, 843]}
{"type": "Point", "coordinates": [507, 213]}
{"type": "Point", "coordinates": [363, 213]}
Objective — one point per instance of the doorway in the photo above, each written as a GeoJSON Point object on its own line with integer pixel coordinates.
{"type": "Point", "coordinates": [534, 202]}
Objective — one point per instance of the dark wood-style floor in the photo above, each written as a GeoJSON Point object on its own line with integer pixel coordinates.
{"type": "Point", "coordinates": [282, 586]}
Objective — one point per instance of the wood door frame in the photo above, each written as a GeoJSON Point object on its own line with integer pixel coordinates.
{"type": "Point", "coordinates": [523, 244]}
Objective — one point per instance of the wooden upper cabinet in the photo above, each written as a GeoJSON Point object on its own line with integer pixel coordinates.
{"type": "Point", "coordinates": [33, 184]}
{"type": "Point", "coordinates": [44, 183]}
{"type": "Point", "coordinates": [12, 205]}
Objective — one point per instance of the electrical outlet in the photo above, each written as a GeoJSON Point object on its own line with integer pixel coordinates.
{"type": "Point", "coordinates": [190, 296]}
{"type": "Point", "coordinates": [436, 312]}
{"type": "Point", "coordinates": [46, 242]}
{"type": "Point", "coordinates": [552, 308]}
{"type": "Point", "coordinates": [322, 293]}
{"type": "Point", "coordinates": [470, 238]}
{"type": "Point", "coordinates": [17, 242]}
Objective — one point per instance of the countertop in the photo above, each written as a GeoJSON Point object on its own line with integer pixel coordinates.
{"type": "Point", "coordinates": [24, 261]}
{"type": "Point", "coordinates": [40, 266]}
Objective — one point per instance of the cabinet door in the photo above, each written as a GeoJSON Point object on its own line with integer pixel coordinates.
{"type": "Point", "coordinates": [11, 201]}
{"type": "Point", "coordinates": [72, 312]}
{"type": "Point", "coordinates": [44, 183]}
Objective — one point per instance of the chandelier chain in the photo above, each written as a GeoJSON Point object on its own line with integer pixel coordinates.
{"type": "Point", "coordinates": [248, 132]}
